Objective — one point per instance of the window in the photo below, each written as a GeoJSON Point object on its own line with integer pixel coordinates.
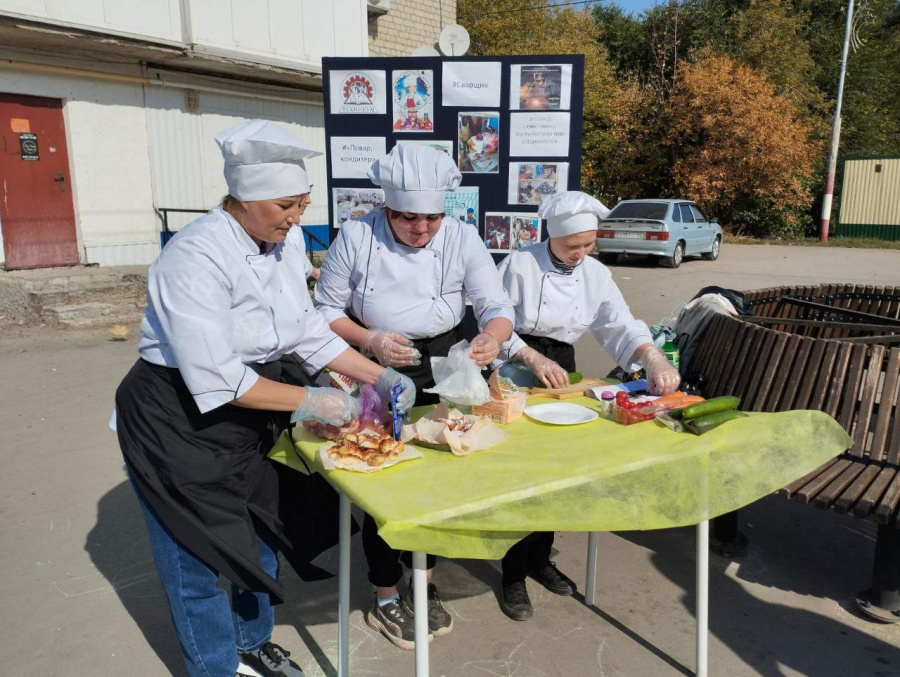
{"type": "Point", "coordinates": [639, 210]}
{"type": "Point", "coordinates": [686, 215]}
{"type": "Point", "coordinates": [676, 213]}
{"type": "Point", "coordinates": [698, 215]}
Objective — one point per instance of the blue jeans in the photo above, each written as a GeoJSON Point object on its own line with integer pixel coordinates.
{"type": "Point", "coordinates": [210, 631]}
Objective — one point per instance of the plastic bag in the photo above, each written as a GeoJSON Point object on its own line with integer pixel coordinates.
{"type": "Point", "coordinates": [374, 413]}
{"type": "Point", "coordinates": [457, 378]}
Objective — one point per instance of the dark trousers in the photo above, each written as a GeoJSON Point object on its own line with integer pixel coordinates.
{"type": "Point", "coordinates": [533, 551]}
{"type": "Point", "coordinates": [385, 570]}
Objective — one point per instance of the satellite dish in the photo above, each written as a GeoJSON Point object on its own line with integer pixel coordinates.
{"type": "Point", "coordinates": [425, 50]}
{"type": "Point", "coordinates": [454, 40]}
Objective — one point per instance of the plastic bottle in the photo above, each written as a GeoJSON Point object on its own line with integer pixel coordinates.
{"type": "Point", "coordinates": [671, 352]}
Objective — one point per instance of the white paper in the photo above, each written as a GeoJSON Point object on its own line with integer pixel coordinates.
{"type": "Point", "coordinates": [471, 83]}
{"type": "Point", "coordinates": [540, 87]}
{"type": "Point", "coordinates": [358, 92]}
{"type": "Point", "coordinates": [328, 463]}
{"type": "Point", "coordinates": [351, 156]}
{"type": "Point", "coordinates": [412, 93]}
{"type": "Point", "coordinates": [532, 182]}
{"type": "Point", "coordinates": [438, 144]}
{"type": "Point", "coordinates": [539, 134]}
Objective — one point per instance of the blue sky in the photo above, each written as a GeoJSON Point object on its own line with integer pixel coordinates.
{"type": "Point", "coordinates": [635, 6]}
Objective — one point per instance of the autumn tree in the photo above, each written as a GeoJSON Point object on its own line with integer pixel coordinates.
{"type": "Point", "coordinates": [741, 150]}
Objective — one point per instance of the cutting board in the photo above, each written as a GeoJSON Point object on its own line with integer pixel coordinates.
{"type": "Point", "coordinates": [569, 392]}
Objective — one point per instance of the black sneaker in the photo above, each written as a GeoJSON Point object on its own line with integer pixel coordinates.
{"type": "Point", "coordinates": [514, 601]}
{"type": "Point", "coordinates": [395, 621]}
{"type": "Point", "coordinates": [270, 660]}
{"type": "Point", "coordinates": [440, 622]}
{"type": "Point", "coordinates": [553, 579]}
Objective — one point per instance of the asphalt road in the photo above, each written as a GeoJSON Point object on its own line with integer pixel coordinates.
{"type": "Point", "coordinates": [81, 596]}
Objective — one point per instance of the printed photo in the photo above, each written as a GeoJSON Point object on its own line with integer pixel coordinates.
{"type": "Point", "coordinates": [462, 204]}
{"type": "Point", "coordinates": [531, 182]}
{"type": "Point", "coordinates": [540, 87]}
{"type": "Point", "coordinates": [352, 203]}
{"type": "Point", "coordinates": [437, 144]}
{"type": "Point", "coordinates": [496, 233]}
{"type": "Point", "coordinates": [478, 142]}
{"type": "Point", "coordinates": [506, 232]}
{"type": "Point", "coordinates": [525, 229]}
{"type": "Point", "coordinates": [413, 96]}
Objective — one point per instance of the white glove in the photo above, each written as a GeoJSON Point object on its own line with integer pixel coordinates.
{"type": "Point", "coordinates": [483, 349]}
{"type": "Point", "coordinates": [662, 377]}
{"type": "Point", "coordinates": [548, 371]}
{"type": "Point", "coordinates": [391, 377]}
{"type": "Point", "coordinates": [390, 349]}
{"type": "Point", "coordinates": [329, 406]}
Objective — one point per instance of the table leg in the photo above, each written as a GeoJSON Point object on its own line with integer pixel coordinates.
{"type": "Point", "coordinates": [702, 597]}
{"type": "Point", "coordinates": [344, 588]}
{"type": "Point", "coordinates": [593, 541]}
{"type": "Point", "coordinates": [420, 602]}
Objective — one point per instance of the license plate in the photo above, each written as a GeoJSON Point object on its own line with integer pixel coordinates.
{"type": "Point", "coordinates": [628, 235]}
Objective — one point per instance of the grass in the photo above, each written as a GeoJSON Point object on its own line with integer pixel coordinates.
{"type": "Point", "coordinates": [852, 242]}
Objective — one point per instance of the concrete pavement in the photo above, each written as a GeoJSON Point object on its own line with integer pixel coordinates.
{"type": "Point", "coordinates": [81, 596]}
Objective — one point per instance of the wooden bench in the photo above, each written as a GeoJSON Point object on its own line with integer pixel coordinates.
{"type": "Point", "coordinates": [835, 348]}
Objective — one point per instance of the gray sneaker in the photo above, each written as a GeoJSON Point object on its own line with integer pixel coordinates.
{"type": "Point", "coordinates": [395, 621]}
{"type": "Point", "coordinates": [269, 660]}
{"type": "Point", "coordinates": [440, 622]}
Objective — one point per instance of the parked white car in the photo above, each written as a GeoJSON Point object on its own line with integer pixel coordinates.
{"type": "Point", "coordinates": [668, 229]}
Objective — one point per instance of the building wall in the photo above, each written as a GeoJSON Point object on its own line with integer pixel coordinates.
{"type": "Point", "coordinates": [870, 199]}
{"type": "Point", "coordinates": [409, 24]}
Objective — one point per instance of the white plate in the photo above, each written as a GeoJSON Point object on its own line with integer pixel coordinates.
{"type": "Point", "coordinates": [561, 413]}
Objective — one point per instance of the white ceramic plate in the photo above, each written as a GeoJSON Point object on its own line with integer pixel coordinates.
{"type": "Point", "coordinates": [561, 413]}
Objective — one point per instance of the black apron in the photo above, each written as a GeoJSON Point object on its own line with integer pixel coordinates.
{"type": "Point", "coordinates": [560, 352]}
{"type": "Point", "coordinates": [207, 478]}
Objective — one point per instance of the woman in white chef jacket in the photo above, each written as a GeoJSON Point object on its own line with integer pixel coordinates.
{"type": "Point", "coordinates": [559, 293]}
{"type": "Point", "coordinates": [394, 283]}
{"type": "Point", "coordinates": [198, 411]}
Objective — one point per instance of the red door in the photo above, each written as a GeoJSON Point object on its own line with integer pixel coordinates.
{"type": "Point", "coordinates": [36, 212]}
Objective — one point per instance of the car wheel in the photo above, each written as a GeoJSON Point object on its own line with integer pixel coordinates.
{"type": "Point", "coordinates": [609, 259]}
{"type": "Point", "coordinates": [676, 258]}
{"type": "Point", "coordinates": [713, 253]}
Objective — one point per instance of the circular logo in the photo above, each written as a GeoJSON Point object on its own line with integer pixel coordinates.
{"type": "Point", "coordinates": [357, 89]}
{"type": "Point", "coordinates": [29, 146]}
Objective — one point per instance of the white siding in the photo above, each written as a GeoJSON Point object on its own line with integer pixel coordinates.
{"type": "Point", "coordinates": [870, 197]}
{"type": "Point", "coordinates": [159, 19]}
{"type": "Point", "coordinates": [186, 164]}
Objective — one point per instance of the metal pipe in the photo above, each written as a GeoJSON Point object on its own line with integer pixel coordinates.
{"type": "Point", "coordinates": [420, 602]}
{"type": "Point", "coordinates": [835, 133]}
{"type": "Point", "coordinates": [344, 587]}
{"type": "Point", "coordinates": [702, 597]}
{"type": "Point", "coordinates": [593, 541]}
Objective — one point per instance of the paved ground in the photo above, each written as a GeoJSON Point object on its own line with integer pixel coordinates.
{"type": "Point", "coordinates": [81, 596]}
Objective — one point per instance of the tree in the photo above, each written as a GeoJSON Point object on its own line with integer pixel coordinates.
{"type": "Point", "coordinates": [740, 148]}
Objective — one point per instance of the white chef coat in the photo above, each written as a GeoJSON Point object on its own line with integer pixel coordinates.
{"type": "Point", "coordinates": [296, 238]}
{"type": "Point", "coordinates": [216, 304]}
{"type": "Point", "coordinates": [563, 307]}
{"type": "Point", "coordinates": [417, 292]}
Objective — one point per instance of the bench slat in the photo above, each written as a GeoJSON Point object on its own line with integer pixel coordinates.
{"type": "Point", "coordinates": [835, 385]}
{"type": "Point", "coordinates": [813, 487]}
{"type": "Point", "coordinates": [797, 369]}
{"type": "Point", "coordinates": [782, 375]}
{"type": "Point", "coordinates": [860, 432]}
{"type": "Point", "coordinates": [807, 382]}
{"type": "Point", "coordinates": [753, 355]}
{"type": "Point", "coordinates": [888, 504]}
{"type": "Point", "coordinates": [839, 484]}
{"type": "Point", "coordinates": [791, 489]}
{"type": "Point", "coordinates": [851, 386]}
{"type": "Point", "coordinates": [866, 503]}
{"type": "Point", "coordinates": [826, 369]}
{"type": "Point", "coordinates": [886, 406]}
{"type": "Point", "coordinates": [763, 378]}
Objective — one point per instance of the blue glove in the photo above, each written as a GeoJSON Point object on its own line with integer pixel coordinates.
{"type": "Point", "coordinates": [328, 406]}
{"type": "Point", "coordinates": [391, 377]}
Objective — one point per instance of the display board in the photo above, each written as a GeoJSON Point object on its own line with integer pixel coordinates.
{"type": "Point", "coordinates": [512, 124]}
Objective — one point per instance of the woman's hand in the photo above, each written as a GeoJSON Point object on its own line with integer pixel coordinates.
{"type": "Point", "coordinates": [329, 406]}
{"type": "Point", "coordinates": [483, 349]}
{"type": "Point", "coordinates": [390, 378]}
{"type": "Point", "coordinates": [389, 348]}
{"type": "Point", "coordinates": [548, 371]}
{"type": "Point", "coordinates": [662, 377]}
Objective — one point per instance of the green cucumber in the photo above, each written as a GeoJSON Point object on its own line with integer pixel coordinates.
{"type": "Point", "coordinates": [703, 424]}
{"type": "Point", "coordinates": [716, 404]}
{"type": "Point", "coordinates": [677, 414]}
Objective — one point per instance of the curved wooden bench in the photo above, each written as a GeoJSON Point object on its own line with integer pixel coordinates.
{"type": "Point", "coordinates": [835, 348]}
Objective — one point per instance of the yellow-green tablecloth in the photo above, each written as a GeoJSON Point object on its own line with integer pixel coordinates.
{"type": "Point", "coordinates": [598, 476]}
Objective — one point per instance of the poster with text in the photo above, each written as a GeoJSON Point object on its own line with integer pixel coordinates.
{"type": "Point", "coordinates": [539, 134]}
{"type": "Point", "coordinates": [471, 83]}
{"type": "Point", "coordinates": [462, 204]}
{"type": "Point", "coordinates": [358, 92]}
{"type": "Point", "coordinates": [532, 182]}
{"type": "Point", "coordinates": [437, 144]}
{"type": "Point", "coordinates": [506, 232]}
{"type": "Point", "coordinates": [478, 142]}
{"type": "Point", "coordinates": [413, 97]}
{"type": "Point", "coordinates": [351, 156]}
{"type": "Point", "coordinates": [352, 203]}
{"type": "Point", "coordinates": [540, 87]}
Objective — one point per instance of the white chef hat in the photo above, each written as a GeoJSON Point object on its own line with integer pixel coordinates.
{"type": "Point", "coordinates": [571, 212]}
{"type": "Point", "coordinates": [415, 178]}
{"type": "Point", "coordinates": [263, 161]}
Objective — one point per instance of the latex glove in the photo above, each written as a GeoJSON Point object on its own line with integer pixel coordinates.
{"type": "Point", "coordinates": [483, 349]}
{"type": "Point", "coordinates": [390, 349]}
{"type": "Point", "coordinates": [328, 406]}
{"type": "Point", "coordinates": [662, 377]}
{"type": "Point", "coordinates": [388, 379]}
{"type": "Point", "coordinates": [548, 371]}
